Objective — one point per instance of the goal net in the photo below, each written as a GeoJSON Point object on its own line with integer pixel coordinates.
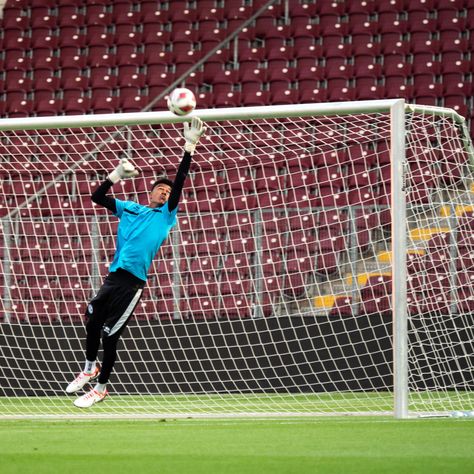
{"type": "Point", "coordinates": [291, 285]}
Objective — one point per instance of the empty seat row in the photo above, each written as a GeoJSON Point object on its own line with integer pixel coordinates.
{"type": "Point", "coordinates": [135, 103]}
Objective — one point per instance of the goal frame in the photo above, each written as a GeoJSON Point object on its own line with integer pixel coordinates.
{"type": "Point", "coordinates": [396, 108]}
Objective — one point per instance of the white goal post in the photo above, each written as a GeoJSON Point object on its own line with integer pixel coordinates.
{"type": "Point", "coordinates": [323, 262]}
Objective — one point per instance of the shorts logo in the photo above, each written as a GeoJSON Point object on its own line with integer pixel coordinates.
{"type": "Point", "coordinates": [90, 309]}
{"type": "Point", "coordinates": [106, 329]}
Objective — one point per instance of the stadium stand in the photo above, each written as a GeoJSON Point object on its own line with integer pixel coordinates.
{"type": "Point", "coordinates": [101, 39]}
{"type": "Point", "coordinates": [84, 56]}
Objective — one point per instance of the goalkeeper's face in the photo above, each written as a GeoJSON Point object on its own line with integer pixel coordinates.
{"type": "Point", "coordinates": [160, 195]}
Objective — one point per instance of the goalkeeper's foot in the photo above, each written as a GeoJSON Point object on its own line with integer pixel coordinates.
{"type": "Point", "coordinates": [90, 398]}
{"type": "Point", "coordinates": [82, 379]}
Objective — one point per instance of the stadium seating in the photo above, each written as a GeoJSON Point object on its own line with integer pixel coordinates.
{"type": "Point", "coordinates": [113, 37]}
{"type": "Point", "coordinates": [89, 57]}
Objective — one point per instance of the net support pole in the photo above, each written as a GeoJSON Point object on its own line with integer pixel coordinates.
{"type": "Point", "coordinates": [399, 250]}
{"type": "Point", "coordinates": [5, 226]}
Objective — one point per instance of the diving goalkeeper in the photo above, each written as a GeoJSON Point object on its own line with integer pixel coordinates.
{"type": "Point", "coordinates": [141, 231]}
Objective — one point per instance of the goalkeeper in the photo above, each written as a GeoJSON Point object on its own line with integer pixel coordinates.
{"type": "Point", "coordinates": [141, 231]}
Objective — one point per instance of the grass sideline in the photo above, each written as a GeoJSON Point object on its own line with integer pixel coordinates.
{"type": "Point", "coordinates": [279, 445]}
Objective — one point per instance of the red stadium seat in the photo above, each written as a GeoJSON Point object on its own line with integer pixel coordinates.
{"type": "Point", "coordinates": [275, 10]}
{"type": "Point", "coordinates": [154, 34]}
{"type": "Point", "coordinates": [207, 10]}
{"type": "Point", "coordinates": [102, 78]}
{"type": "Point", "coordinates": [44, 60]}
{"type": "Point", "coordinates": [200, 285]}
{"type": "Point", "coordinates": [368, 88]}
{"type": "Point", "coordinates": [425, 64]}
{"type": "Point", "coordinates": [16, 39]}
{"type": "Point", "coordinates": [164, 309]}
{"type": "Point", "coordinates": [234, 284]}
{"type": "Point", "coordinates": [362, 22]}
{"type": "Point", "coordinates": [13, 17]}
{"type": "Point", "coordinates": [19, 108]}
{"type": "Point", "coordinates": [257, 97]}
{"type": "Point", "coordinates": [99, 56]}
{"type": "Point", "coordinates": [43, 38]}
{"type": "Point", "coordinates": [394, 43]}
{"type": "Point", "coordinates": [17, 59]}
{"type": "Point", "coordinates": [202, 308]}
{"type": "Point", "coordinates": [104, 104]}
{"type": "Point", "coordinates": [235, 306]}
{"type": "Point", "coordinates": [69, 16]}
{"type": "Point", "coordinates": [436, 302]}
{"type": "Point", "coordinates": [363, 45]}
{"type": "Point", "coordinates": [452, 19]}
{"type": "Point", "coordinates": [127, 34]}
{"type": "Point", "coordinates": [123, 14]}
{"type": "Point", "coordinates": [421, 20]}
{"type": "Point", "coordinates": [294, 285]}
{"type": "Point", "coordinates": [465, 259]}
{"type": "Point", "coordinates": [97, 34]}
{"type": "Point", "coordinates": [343, 306]}
{"type": "Point", "coordinates": [284, 96]}
{"type": "Point", "coordinates": [338, 93]}
{"type": "Point", "coordinates": [71, 78]}
{"type": "Point", "coordinates": [97, 14]}
{"type": "Point", "coordinates": [458, 103]}
{"type": "Point", "coordinates": [310, 95]}
{"type": "Point", "coordinates": [392, 22]}
{"type": "Point", "coordinates": [46, 107]}
{"type": "Point", "coordinates": [397, 86]}
{"type": "Point", "coordinates": [396, 65]}
{"type": "Point", "coordinates": [41, 18]}
{"type": "Point", "coordinates": [430, 45]}
{"type": "Point", "coordinates": [454, 62]}
{"type": "Point", "coordinates": [331, 24]}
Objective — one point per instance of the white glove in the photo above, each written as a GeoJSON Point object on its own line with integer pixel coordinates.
{"type": "Point", "coordinates": [124, 170]}
{"type": "Point", "coordinates": [193, 133]}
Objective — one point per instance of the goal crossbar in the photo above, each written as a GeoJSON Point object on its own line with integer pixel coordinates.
{"type": "Point", "coordinates": [239, 113]}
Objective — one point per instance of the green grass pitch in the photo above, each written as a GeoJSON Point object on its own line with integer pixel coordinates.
{"type": "Point", "coordinates": [242, 445]}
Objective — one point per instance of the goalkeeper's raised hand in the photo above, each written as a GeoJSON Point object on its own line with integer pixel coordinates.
{"type": "Point", "coordinates": [124, 170]}
{"type": "Point", "coordinates": [192, 133]}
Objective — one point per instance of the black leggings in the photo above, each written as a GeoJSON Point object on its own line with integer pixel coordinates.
{"type": "Point", "coordinates": [108, 314]}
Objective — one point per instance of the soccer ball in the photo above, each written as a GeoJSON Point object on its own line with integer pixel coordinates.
{"type": "Point", "coordinates": [181, 101]}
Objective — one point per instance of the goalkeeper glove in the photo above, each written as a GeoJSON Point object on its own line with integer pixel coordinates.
{"type": "Point", "coordinates": [192, 133]}
{"type": "Point", "coordinates": [124, 170]}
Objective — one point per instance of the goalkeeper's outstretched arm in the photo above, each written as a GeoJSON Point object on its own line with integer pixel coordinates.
{"type": "Point", "coordinates": [99, 196]}
{"type": "Point", "coordinates": [178, 183]}
{"type": "Point", "coordinates": [192, 134]}
{"type": "Point", "coordinates": [124, 170]}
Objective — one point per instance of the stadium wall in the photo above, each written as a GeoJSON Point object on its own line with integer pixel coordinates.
{"type": "Point", "coordinates": [322, 354]}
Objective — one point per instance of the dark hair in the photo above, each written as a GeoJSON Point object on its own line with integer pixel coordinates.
{"type": "Point", "coordinates": [162, 181]}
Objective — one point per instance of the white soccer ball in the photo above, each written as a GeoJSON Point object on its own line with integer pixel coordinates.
{"type": "Point", "coordinates": [181, 101]}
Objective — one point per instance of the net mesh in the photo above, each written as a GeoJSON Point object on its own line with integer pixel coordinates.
{"type": "Point", "coordinates": [272, 295]}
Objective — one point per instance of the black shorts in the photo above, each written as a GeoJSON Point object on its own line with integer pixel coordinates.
{"type": "Point", "coordinates": [115, 302]}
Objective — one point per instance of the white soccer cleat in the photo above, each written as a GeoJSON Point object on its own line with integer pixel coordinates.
{"type": "Point", "coordinates": [82, 379]}
{"type": "Point", "coordinates": [90, 398]}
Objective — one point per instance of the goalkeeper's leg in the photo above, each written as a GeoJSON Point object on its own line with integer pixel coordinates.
{"type": "Point", "coordinates": [99, 392]}
{"type": "Point", "coordinates": [91, 367]}
{"type": "Point", "coordinates": [120, 306]}
{"type": "Point", "coordinates": [95, 321]}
